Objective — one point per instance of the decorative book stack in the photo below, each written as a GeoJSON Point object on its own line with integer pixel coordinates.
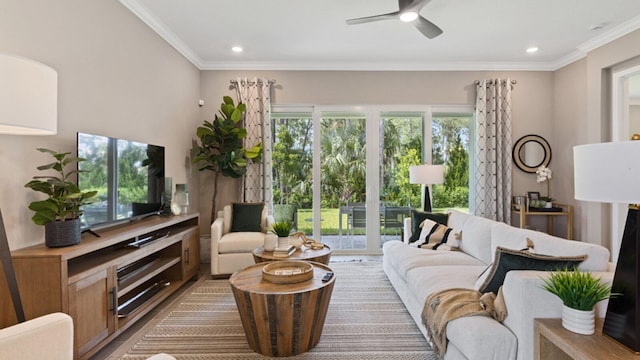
{"type": "Point", "coordinates": [284, 251]}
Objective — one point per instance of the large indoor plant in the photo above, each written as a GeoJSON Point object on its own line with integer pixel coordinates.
{"type": "Point", "coordinates": [579, 291]}
{"type": "Point", "coordinates": [220, 146]}
{"type": "Point", "coordinates": [60, 212]}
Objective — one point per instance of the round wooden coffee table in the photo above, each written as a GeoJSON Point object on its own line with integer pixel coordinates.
{"type": "Point", "coordinates": [281, 319]}
{"type": "Point", "coordinates": [304, 253]}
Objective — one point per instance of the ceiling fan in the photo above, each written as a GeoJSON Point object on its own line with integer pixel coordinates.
{"type": "Point", "coordinates": [409, 12]}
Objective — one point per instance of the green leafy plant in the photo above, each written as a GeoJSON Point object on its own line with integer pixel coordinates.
{"type": "Point", "coordinates": [64, 196]}
{"type": "Point", "coordinates": [578, 290]}
{"type": "Point", "coordinates": [282, 228]}
{"type": "Point", "coordinates": [220, 146]}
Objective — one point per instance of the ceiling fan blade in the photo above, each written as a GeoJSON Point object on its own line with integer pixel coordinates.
{"type": "Point", "coordinates": [427, 28]}
{"type": "Point", "coordinates": [362, 20]}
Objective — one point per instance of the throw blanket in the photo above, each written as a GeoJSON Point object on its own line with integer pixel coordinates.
{"type": "Point", "coordinates": [446, 305]}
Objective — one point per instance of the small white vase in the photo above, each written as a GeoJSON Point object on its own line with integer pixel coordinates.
{"type": "Point", "coordinates": [270, 242]}
{"type": "Point", "coordinates": [578, 321]}
{"type": "Point", "coordinates": [548, 205]}
{"type": "Point", "coordinates": [283, 241]}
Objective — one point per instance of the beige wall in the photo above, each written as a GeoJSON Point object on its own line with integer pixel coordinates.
{"type": "Point", "coordinates": [116, 77]}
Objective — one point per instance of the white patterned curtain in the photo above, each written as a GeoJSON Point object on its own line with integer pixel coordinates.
{"type": "Point", "coordinates": [256, 94]}
{"type": "Point", "coordinates": [491, 180]}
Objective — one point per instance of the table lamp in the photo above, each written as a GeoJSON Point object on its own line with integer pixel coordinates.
{"type": "Point", "coordinates": [28, 106]}
{"type": "Point", "coordinates": [426, 175]}
{"type": "Point", "coordinates": [609, 173]}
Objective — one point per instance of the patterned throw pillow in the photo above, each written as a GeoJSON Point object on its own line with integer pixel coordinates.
{"type": "Point", "coordinates": [509, 259]}
{"type": "Point", "coordinates": [436, 236]}
{"type": "Point", "coordinates": [417, 217]}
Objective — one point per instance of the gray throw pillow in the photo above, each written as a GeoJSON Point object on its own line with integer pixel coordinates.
{"type": "Point", "coordinates": [246, 217]}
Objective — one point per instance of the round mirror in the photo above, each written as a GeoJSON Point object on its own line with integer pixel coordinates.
{"type": "Point", "coordinates": [530, 152]}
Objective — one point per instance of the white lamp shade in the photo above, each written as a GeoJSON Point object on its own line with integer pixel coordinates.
{"type": "Point", "coordinates": [607, 172]}
{"type": "Point", "coordinates": [426, 174]}
{"type": "Point", "coordinates": [28, 97]}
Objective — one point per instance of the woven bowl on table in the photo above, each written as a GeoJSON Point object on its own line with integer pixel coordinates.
{"type": "Point", "coordinates": [287, 272]}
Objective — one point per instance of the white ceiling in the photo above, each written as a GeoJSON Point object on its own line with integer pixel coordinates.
{"type": "Point", "coordinates": [313, 35]}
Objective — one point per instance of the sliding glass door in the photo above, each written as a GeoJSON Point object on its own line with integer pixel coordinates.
{"type": "Point", "coordinates": [341, 173]}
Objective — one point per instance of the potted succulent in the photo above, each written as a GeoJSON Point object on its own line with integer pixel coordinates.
{"type": "Point", "coordinates": [282, 229]}
{"type": "Point", "coordinates": [579, 291]}
{"type": "Point", "coordinates": [60, 212]}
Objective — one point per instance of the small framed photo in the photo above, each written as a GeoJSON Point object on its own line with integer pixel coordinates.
{"type": "Point", "coordinates": [533, 195]}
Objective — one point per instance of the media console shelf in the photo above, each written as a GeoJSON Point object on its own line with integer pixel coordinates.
{"type": "Point", "coordinates": [106, 283]}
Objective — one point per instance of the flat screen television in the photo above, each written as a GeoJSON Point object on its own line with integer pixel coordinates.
{"type": "Point", "coordinates": [128, 176]}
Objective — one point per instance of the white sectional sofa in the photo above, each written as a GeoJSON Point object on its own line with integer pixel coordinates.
{"type": "Point", "coordinates": [415, 273]}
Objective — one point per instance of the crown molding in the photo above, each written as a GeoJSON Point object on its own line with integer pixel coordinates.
{"type": "Point", "coordinates": [611, 35]}
{"type": "Point", "coordinates": [379, 66]}
{"type": "Point", "coordinates": [161, 29]}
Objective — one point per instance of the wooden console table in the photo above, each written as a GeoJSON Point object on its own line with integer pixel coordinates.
{"type": "Point", "coordinates": [552, 341]}
{"type": "Point", "coordinates": [106, 283]}
{"type": "Point", "coordinates": [567, 211]}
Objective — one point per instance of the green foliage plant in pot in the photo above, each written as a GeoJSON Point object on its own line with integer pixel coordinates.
{"type": "Point", "coordinates": [579, 291]}
{"type": "Point", "coordinates": [60, 212]}
{"type": "Point", "coordinates": [220, 148]}
{"type": "Point", "coordinates": [283, 230]}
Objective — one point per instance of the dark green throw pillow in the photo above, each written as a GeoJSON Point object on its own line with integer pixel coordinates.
{"type": "Point", "coordinates": [509, 259]}
{"type": "Point", "coordinates": [246, 217]}
{"type": "Point", "coordinates": [417, 217]}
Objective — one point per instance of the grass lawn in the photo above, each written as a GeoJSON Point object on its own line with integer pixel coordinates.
{"type": "Point", "coordinates": [330, 221]}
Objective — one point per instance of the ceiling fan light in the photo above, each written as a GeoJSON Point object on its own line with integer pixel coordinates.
{"type": "Point", "coordinates": [408, 16]}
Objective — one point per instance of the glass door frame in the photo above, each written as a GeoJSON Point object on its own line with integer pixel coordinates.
{"type": "Point", "coordinates": [373, 118]}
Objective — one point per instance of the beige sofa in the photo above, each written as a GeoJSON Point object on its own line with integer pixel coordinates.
{"type": "Point", "coordinates": [232, 251]}
{"type": "Point", "coordinates": [415, 273]}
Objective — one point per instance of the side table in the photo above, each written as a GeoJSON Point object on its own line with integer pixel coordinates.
{"type": "Point", "coordinates": [306, 254]}
{"type": "Point", "coordinates": [552, 341]}
{"type": "Point", "coordinates": [567, 211]}
{"type": "Point", "coordinates": [281, 319]}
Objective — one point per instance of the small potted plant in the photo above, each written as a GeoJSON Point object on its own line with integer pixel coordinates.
{"type": "Point", "coordinates": [60, 212]}
{"type": "Point", "coordinates": [579, 291]}
{"type": "Point", "coordinates": [282, 229]}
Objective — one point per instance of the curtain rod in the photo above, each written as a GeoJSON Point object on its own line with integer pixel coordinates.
{"type": "Point", "coordinates": [513, 82]}
{"type": "Point", "coordinates": [253, 82]}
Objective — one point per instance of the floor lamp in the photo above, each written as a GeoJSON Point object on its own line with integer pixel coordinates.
{"type": "Point", "coordinates": [426, 175]}
{"type": "Point", "coordinates": [28, 106]}
{"type": "Point", "coordinates": [609, 173]}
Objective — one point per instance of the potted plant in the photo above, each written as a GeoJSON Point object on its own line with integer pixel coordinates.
{"type": "Point", "coordinates": [60, 212]}
{"type": "Point", "coordinates": [220, 146]}
{"type": "Point", "coordinates": [282, 229]}
{"type": "Point", "coordinates": [579, 291]}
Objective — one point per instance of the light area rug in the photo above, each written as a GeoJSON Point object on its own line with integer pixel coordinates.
{"type": "Point", "coordinates": [366, 320]}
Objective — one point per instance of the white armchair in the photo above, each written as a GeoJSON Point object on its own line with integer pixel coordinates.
{"type": "Point", "coordinates": [231, 251]}
{"type": "Point", "coordinates": [46, 337]}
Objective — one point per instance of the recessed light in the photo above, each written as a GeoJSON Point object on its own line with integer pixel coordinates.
{"type": "Point", "coordinates": [408, 16]}
{"type": "Point", "coordinates": [532, 49]}
{"type": "Point", "coordinates": [237, 49]}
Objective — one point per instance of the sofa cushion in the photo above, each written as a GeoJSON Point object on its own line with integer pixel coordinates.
{"type": "Point", "coordinates": [515, 238]}
{"type": "Point", "coordinates": [247, 217]}
{"type": "Point", "coordinates": [476, 238]}
{"type": "Point", "coordinates": [417, 217]}
{"type": "Point", "coordinates": [425, 280]}
{"type": "Point", "coordinates": [509, 259]}
{"type": "Point", "coordinates": [404, 258]}
{"type": "Point", "coordinates": [240, 242]}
